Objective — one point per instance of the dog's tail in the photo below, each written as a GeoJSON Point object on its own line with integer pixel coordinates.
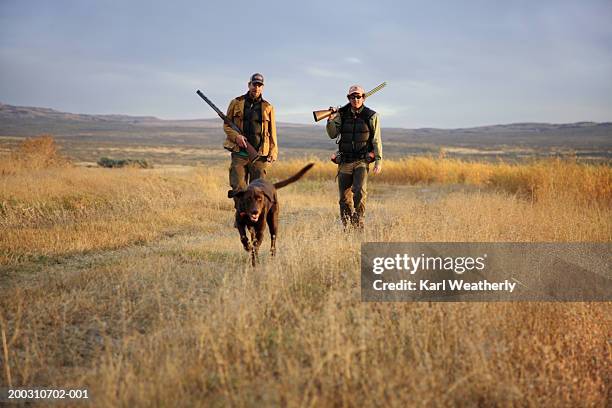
{"type": "Point", "coordinates": [295, 177]}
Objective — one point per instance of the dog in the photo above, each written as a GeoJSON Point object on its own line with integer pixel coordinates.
{"type": "Point", "coordinates": [256, 206]}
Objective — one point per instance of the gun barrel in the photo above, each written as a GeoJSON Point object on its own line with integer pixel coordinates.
{"type": "Point", "coordinates": [214, 107]}
{"type": "Point", "coordinates": [253, 154]}
{"type": "Point", "coordinates": [378, 88]}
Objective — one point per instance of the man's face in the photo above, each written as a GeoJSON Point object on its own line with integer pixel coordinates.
{"type": "Point", "coordinates": [356, 100]}
{"type": "Point", "coordinates": [255, 89]}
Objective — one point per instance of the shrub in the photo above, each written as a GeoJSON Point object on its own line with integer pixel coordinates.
{"type": "Point", "coordinates": [40, 152]}
{"type": "Point", "coordinates": [116, 163]}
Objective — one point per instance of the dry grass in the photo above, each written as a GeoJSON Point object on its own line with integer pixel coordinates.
{"type": "Point", "coordinates": [538, 180]}
{"type": "Point", "coordinates": [51, 212]}
{"type": "Point", "coordinates": [49, 208]}
{"type": "Point", "coordinates": [183, 321]}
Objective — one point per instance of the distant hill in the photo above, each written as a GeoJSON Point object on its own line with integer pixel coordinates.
{"type": "Point", "coordinates": [10, 113]}
{"type": "Point", "coordinates": [24, 121]}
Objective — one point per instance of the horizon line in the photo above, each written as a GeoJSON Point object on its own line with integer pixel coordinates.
{"type": "Point", "coordinates": [315, 123]}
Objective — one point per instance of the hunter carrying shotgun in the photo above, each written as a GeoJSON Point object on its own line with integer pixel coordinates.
{"type": "Point", "coordinates": [357, 128]}
{"type": "Point", "coordinates": [253, 155]}
{"type": "Point", "coordinates": [250, 128]}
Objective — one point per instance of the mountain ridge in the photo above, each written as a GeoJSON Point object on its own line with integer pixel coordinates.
{"type": "Point", "coordinates": [8, 111]}
{"type": "Point", "coordinates": [585, 138]}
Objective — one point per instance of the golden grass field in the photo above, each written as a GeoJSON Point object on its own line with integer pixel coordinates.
{"type": "Point", "coordinates": [133, 284]}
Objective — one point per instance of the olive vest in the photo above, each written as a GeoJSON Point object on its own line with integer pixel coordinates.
{"type": "Point", "coordinates": [355, 133]}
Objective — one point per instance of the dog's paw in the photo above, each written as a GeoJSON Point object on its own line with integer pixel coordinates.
{"type": "Point", "coordinates": [245, 243]}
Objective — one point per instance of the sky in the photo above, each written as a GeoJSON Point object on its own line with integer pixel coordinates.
{"type": "Point", "coordinates": [448, 64]}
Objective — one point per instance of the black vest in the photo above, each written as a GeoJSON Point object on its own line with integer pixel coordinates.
{"type": "Point", "coordinates": [355, 133]}
{"type": "Point", "coordinates": [251, 121]}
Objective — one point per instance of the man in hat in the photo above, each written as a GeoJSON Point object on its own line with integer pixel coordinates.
{"type": "Point", "coordinates": [255, 116]}
{"type": "Point", "coordinates": [359, 145]}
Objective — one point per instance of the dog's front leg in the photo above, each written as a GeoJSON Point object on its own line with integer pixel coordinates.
{"type": "Point", "coordinates": [273, 245]}
{"type": "Point", "coordinates": [255, 246]}
{"type": "Point", "coordinates": [254, 256]}
{"type": "Point", "coordinates": [243, 237]}
{"type": "Point", "coordinates": [259, 233]}
{"type": "Point", "coordinates": [272, 219]}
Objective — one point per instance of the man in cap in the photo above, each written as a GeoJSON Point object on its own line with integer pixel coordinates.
{"type": "Point", "coordinates": [360, 144]}
{"type": "Point", "coordinates": [255, 116]}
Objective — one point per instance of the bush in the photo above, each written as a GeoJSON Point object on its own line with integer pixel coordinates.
{"type": "Point", "coordinates": [40, 152]}
{"type": "Point", "coordinates": [116, 163]}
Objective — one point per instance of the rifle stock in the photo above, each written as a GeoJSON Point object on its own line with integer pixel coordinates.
{"type": "Point", "coordinates": [253, 154]}
{"type": "Point", "coordinates": [322, 114]}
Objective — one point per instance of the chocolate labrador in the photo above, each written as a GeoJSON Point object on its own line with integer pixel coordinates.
{"type": "Point", "coordinates": [256, 206]}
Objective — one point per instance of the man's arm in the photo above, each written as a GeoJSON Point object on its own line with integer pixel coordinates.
{"type": "Point", "coordinates": [231, 133]}
{"type": "Point", "coordinates": [333, 126]}
{"type": "Point", "coordinates": [273, 154]}
{"type": "Point", "coordinates": [377, 140]}
{"type": "Point", "coordinates": [377, 143]}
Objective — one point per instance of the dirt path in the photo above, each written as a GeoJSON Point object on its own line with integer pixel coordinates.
{"type": "Point", "coordinates": [29, 273]}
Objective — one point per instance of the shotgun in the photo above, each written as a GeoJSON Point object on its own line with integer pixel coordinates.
{"type": "Point", "coordinates": [325, 113]}
{"type": "Point", "coordinates": [253, 155]}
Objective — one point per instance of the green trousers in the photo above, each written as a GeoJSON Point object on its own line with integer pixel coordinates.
{"type": "Point", "coordinates": [241, 173]}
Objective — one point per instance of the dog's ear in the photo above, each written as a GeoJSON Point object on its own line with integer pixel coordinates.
{"type": "Point", "coordinates": [237, 194]}
{"type": "Point", "coordinates": [266, 193]}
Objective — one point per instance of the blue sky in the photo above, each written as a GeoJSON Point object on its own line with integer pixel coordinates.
{"type": "Point", "coordinates": [448, 63]}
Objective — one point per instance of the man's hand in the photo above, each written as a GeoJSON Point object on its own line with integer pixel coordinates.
{"type": "Point", "coordinates": [377, 167]}
{"type": "Point", "coordinates": [241, 140]}
{"type": "Point", "coordinates": [334, 113]}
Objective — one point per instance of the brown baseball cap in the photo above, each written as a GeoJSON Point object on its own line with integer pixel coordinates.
{"type": "Point", "coordinates": [356, 89]}
{"type": "Point", "coordinates": [257, 78]}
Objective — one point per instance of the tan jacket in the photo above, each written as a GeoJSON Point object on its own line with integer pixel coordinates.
{"type": "Point", "coordinates": [235, 113]}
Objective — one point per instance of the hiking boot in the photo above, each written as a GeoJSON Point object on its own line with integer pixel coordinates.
{"type": "Point", "coordinates": [357, 222]}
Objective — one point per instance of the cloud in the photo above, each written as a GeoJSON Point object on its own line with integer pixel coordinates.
{"type": "Point", "coordinates": [353, 60]}
{"type": "Point", "coordinates": [323, 73]}
{"type": "Point", "coordinates": [456, 65]}
{"type": "Point", "coordinates": [387, 110]}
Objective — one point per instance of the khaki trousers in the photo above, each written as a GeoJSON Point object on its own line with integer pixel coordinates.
{"type": "Point", "coordinates": [352, 188]}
